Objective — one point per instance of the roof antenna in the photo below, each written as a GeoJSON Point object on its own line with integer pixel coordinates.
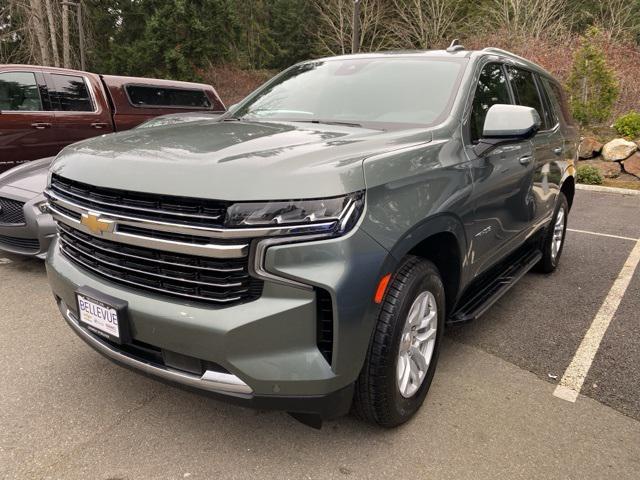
{"type": "Point", "coordinates": [455, 46]}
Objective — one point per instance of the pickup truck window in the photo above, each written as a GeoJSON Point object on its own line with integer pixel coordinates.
{"type": "Point", "coordinates": [19, 91]}
{"type": "Point", "coordinates": [148, 96]}
{"type": "Point", "coordinates": [526, 92]}
{"type": "Point", "coordinates": [69, 93]}
{"type": "Point", "coordinates": [492, 89]}
{"type": "Point", "coordinates": [379, 92]}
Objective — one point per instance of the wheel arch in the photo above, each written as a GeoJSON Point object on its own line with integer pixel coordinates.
{"type": "Point", "coordinates": [440, 239]}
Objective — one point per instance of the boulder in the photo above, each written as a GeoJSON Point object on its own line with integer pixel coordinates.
{"type": "Point", "coordinates": [632, 165]}
{"type": "Point", "coordinates": [607, 169]}
{"type": "Point", "coordinates": [589, 148]}
{"type": "Point", "coordinates": [618, 149]}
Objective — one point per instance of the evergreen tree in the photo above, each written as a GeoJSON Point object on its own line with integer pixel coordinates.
{"type": "Point", "coordinates": [592, 84]}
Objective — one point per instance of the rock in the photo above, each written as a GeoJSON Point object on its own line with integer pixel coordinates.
{"type": "Point", "coordinates": [589, 148]}
{"type": "Point", "coordinates": [618, 149]}
{"type": "Point", "coordinates": [632, 165]}
{"type": "Point", "coordinates": [607, 169]}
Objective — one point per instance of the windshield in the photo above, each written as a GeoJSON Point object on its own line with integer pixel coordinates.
{"type": "Point", "coordinates": [387, 91]}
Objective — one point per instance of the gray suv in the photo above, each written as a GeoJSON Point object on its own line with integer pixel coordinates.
{"type": "Point", "coordinates": [305, 251]}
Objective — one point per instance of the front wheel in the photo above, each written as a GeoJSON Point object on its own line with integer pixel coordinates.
{"type": "Point", "coordinates": [554, 238]}
{"type": "Point", "coordinates": [404, 349]}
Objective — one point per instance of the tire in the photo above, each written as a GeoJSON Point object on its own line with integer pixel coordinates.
{"type": "Point", "coordinates": [550, 251]}
{"type": "Point", "coordinates": [378, 398]}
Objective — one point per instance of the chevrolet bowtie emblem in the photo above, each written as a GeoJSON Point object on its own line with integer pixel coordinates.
{"type": "Point", "coordinates": [95, 224]}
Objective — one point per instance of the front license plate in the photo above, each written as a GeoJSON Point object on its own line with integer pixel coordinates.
{"type": "Point", "coordinates": [100, 315]}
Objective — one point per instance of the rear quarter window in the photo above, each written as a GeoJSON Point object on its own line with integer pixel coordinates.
{"type": "Point", "coordinates": [559, 100]}
{"type": "Point", "coordinates": [144, 96]}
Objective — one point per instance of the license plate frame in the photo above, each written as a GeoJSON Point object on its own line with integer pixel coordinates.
{"type": "Point", "coordinates": [85, 296]}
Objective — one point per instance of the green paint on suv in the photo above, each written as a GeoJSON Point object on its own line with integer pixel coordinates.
{"type": "Point", "coordinates": [305, 251]}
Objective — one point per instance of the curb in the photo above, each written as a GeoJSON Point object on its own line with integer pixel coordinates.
{"type": "Point", "coordinates": [600, 188]}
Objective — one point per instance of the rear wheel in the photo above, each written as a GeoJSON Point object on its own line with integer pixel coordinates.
{"type": "Point", "coordinates": [404, 349]}
{"type": "Point", "coordinates": [554, 239]}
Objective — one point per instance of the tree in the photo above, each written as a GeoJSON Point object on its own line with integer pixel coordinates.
{"type": "Point", "coordinates": [335, 25]}
{"type": "Point", "coordinates": [618, 19]}
{"type": "Point", "coordinates": [425, 23]}
{"type": "Point", "coordinates": [592, 84]}
{"type": "Point", "coordinates": [529, 18]}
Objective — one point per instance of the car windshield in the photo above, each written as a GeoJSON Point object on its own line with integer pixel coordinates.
{"type": "Point", "coordinates": [382, 92]}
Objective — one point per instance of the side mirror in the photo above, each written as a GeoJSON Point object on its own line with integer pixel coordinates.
{"type": "Point", "coordinates": [507, 124]}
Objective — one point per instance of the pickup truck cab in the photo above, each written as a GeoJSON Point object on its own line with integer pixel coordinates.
{"type": "Point", "coordinates": [305, 251]}
{"type": "Point", "coordinates": [44, 109]}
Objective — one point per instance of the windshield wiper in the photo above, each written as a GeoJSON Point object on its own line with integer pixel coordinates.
{"type": "Point", "coordinates": [331, 122]}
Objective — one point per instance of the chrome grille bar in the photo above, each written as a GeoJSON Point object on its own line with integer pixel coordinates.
{"type": "Point", "coordinates": [70, 232]}
{"type": "Point", "coordinates": [207, 250]}
{"type": "Point", "coordinates": [194, 230]}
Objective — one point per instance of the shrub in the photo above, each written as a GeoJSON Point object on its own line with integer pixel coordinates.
{"type": "Point", "coordinates": [589, 175]}
{"type": "Point", "coordinates": [628, 125]}
{"type": "Point", "coordinates": [592, 84]}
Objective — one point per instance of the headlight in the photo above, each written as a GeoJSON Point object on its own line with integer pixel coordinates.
{"type": "Point", "coordinates": [336, 214]}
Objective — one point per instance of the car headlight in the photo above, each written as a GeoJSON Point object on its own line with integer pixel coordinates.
{"type": "Point", "coordinates": [332, 215]}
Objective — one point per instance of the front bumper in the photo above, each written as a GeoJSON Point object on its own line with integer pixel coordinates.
{"type": "Point", "coordinates": [34, 236]}
{"type": "Point", "coordinates": [267, 349]}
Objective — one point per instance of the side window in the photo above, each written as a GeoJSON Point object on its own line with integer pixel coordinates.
{"type": "Point", "coordinates": [491, 90]}
{"type": "Point", "coordinates": [69, 93]}
{"type": "Point", "coordinates": [558, 100]}
{"type": "Point", "coordinates": [148, 96]}
{"type": "Point", "coordinates": [526, 92]}
{"type": "Point", "coordinates": [19, 91]}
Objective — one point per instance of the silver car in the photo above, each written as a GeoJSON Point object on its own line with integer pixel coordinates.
{"type": "Point", "coordinates": [25, 226]}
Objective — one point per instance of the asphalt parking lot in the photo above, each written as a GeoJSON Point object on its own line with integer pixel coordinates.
{"type": "Point", "coordinates": [66, 412]}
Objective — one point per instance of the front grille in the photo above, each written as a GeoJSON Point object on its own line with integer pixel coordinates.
{"type": "Point", "coordinates": [217, 281]}
{"type": "Point", "coordinates": [165, 208]}
{"type": "Point", "coordinates": [25, 243]}
{"type": "Point", "coordinates": [11, 212]}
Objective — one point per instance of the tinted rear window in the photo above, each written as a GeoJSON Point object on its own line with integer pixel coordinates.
{"type": "Point", "coordinates": [526, 92]}
{"type": "Point", "coordinates": [147, 96]}
{"type": "Point", "coordinates": [19, 92]}
{"type": "Point", "coordinates": [69, 93]}
{"type": "Point", "coordinates": [558, 99]}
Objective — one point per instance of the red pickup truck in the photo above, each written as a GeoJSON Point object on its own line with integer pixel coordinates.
{"type": "Point", "coordinates": [43, 109]}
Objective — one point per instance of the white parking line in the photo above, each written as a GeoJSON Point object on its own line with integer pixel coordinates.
{"type": "Point", "coordinates": [573, 378]}
{"type": "Point", "coordinates": [601, 234]}
{"type": "Point", "coordinates": [4, 261]}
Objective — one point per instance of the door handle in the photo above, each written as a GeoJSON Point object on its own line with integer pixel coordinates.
{"type": "Point", "coordinates": [558, 150]}
{"type": "Point", "coordinates": [99, 125]}
{"type": "Point", "coordinates": [526, 160]}
{"type": "Point", "coordinates": [41, 125]}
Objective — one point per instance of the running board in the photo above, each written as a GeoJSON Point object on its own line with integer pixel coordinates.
{"type": "Point", "coordinates": [481, 298]}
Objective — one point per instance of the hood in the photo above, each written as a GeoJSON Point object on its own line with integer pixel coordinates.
{"type": "Point", "coordinates": [233, 160]}
{"type": "Point", "coordinates": [30, 176]}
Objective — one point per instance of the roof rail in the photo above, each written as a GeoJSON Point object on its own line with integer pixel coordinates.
{"type": "Point", "coordinates": [501, 51]}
